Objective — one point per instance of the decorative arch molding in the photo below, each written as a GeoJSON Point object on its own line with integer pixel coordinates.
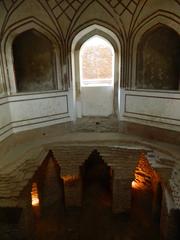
{"type": "Point", "coordinates": [76, 43]}
{"type": "Point", "coordinates": [9, 11]}
{"type": "Point", "coordinates": [159, 18]}
{"type": "Point", "coordinates": [1, 75]}
{"type": "Point", "coordinates": [7, 56]}
{"type": "Point", "coordinates": [96, 24]}
{"type": "Point", "coordinates": [108, 8]}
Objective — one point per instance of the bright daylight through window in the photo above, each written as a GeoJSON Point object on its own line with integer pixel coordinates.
{"type": "Point", "coordinates": [97, 62]}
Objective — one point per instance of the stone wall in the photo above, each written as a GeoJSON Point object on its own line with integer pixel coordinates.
{"type": "Point", "coordinates": [175, 185]}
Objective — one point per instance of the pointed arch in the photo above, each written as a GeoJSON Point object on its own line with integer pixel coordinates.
{"type": "Point", "coordinates": [160, 17]}
{"type": "Point", "coordinates": [108, 9]}
{"type": "Point", "coordinates": [158, 55]}
{"type": "Point", "coordinates": [95, 53]}
{"type": "Point", "coordinates": [77, 42]}
{"type": "Point", "coordinates": [7, 57]}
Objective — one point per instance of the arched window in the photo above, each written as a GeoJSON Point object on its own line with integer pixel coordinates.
{"type": "Point", "coordinates": [158, 60]}
{"type": "Point", "coordinates": [97, 62]}
{"type": "Point", "coordinates": [34, 62]}
{"type": "Point", "coordinates": [96, 72]}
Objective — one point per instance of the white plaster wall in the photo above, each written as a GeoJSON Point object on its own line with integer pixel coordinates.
{"type": "Point", "coordinates": [154, 108]}
{"type": "Point", "coordinates": [25, 112]}
{"type": "Point", "coordinates": [5, 118]}
{"type": "Point", "coordinates": [37, 110]}
{"type": "Point", "coordinates": [97, 100]}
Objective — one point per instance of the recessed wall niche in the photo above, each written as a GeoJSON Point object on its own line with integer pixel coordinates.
{"type": "Point", "coordinates": [34, 62]}
{"type": "Point", "coordinates": [158, 59]}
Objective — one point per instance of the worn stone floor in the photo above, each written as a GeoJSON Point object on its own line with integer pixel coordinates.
{"type": "Point", "coordinates": [86, 130]}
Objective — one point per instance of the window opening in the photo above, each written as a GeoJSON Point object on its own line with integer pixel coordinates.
{"type": "Point", "coordinates": [97, 62]}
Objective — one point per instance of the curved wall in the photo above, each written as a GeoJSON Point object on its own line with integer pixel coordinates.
{"type": "Point", "coordinates": [60, 22]}
{"type": "Point", "coordinates": [153, 108]}
{"type": "Point", "coordinates": [28, 111]}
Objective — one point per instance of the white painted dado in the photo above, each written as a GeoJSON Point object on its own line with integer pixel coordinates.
{"type": "Point", "coordinates": [154, 108]}
{"type": "Point", "coordinates": [28, 111]}
{"type": "Point", "coordinates": [34, 109]}
{"type": "Point", "coordinates": [5, 118]}
{"type": "Point", "coordinates": [97, 100]}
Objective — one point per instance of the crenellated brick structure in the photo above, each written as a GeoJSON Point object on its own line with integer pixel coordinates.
{"type": "Point", "coordinates": [122, 161]}
{"type": "Point", "coordinates": [60, 166]}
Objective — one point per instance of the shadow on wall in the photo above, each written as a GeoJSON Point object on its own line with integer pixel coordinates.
{"type": "Point", "coordinates": [34, 62]}
{"type": "Point", "coordinates": [158, 59]}
{"type": "Point", "coordinates": [96, 182]}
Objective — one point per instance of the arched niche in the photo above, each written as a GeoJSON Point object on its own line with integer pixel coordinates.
{"type": "Point", "coordinates": [158, 59]}
{"type": "Point", "coordinates": [78, 41]}
{"type": "Point", "coordinates": [159, 18]}
{"type": "Point", "coordinates": [7, 51]}
{"type": "Point", "coordinates": [34, 63]}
